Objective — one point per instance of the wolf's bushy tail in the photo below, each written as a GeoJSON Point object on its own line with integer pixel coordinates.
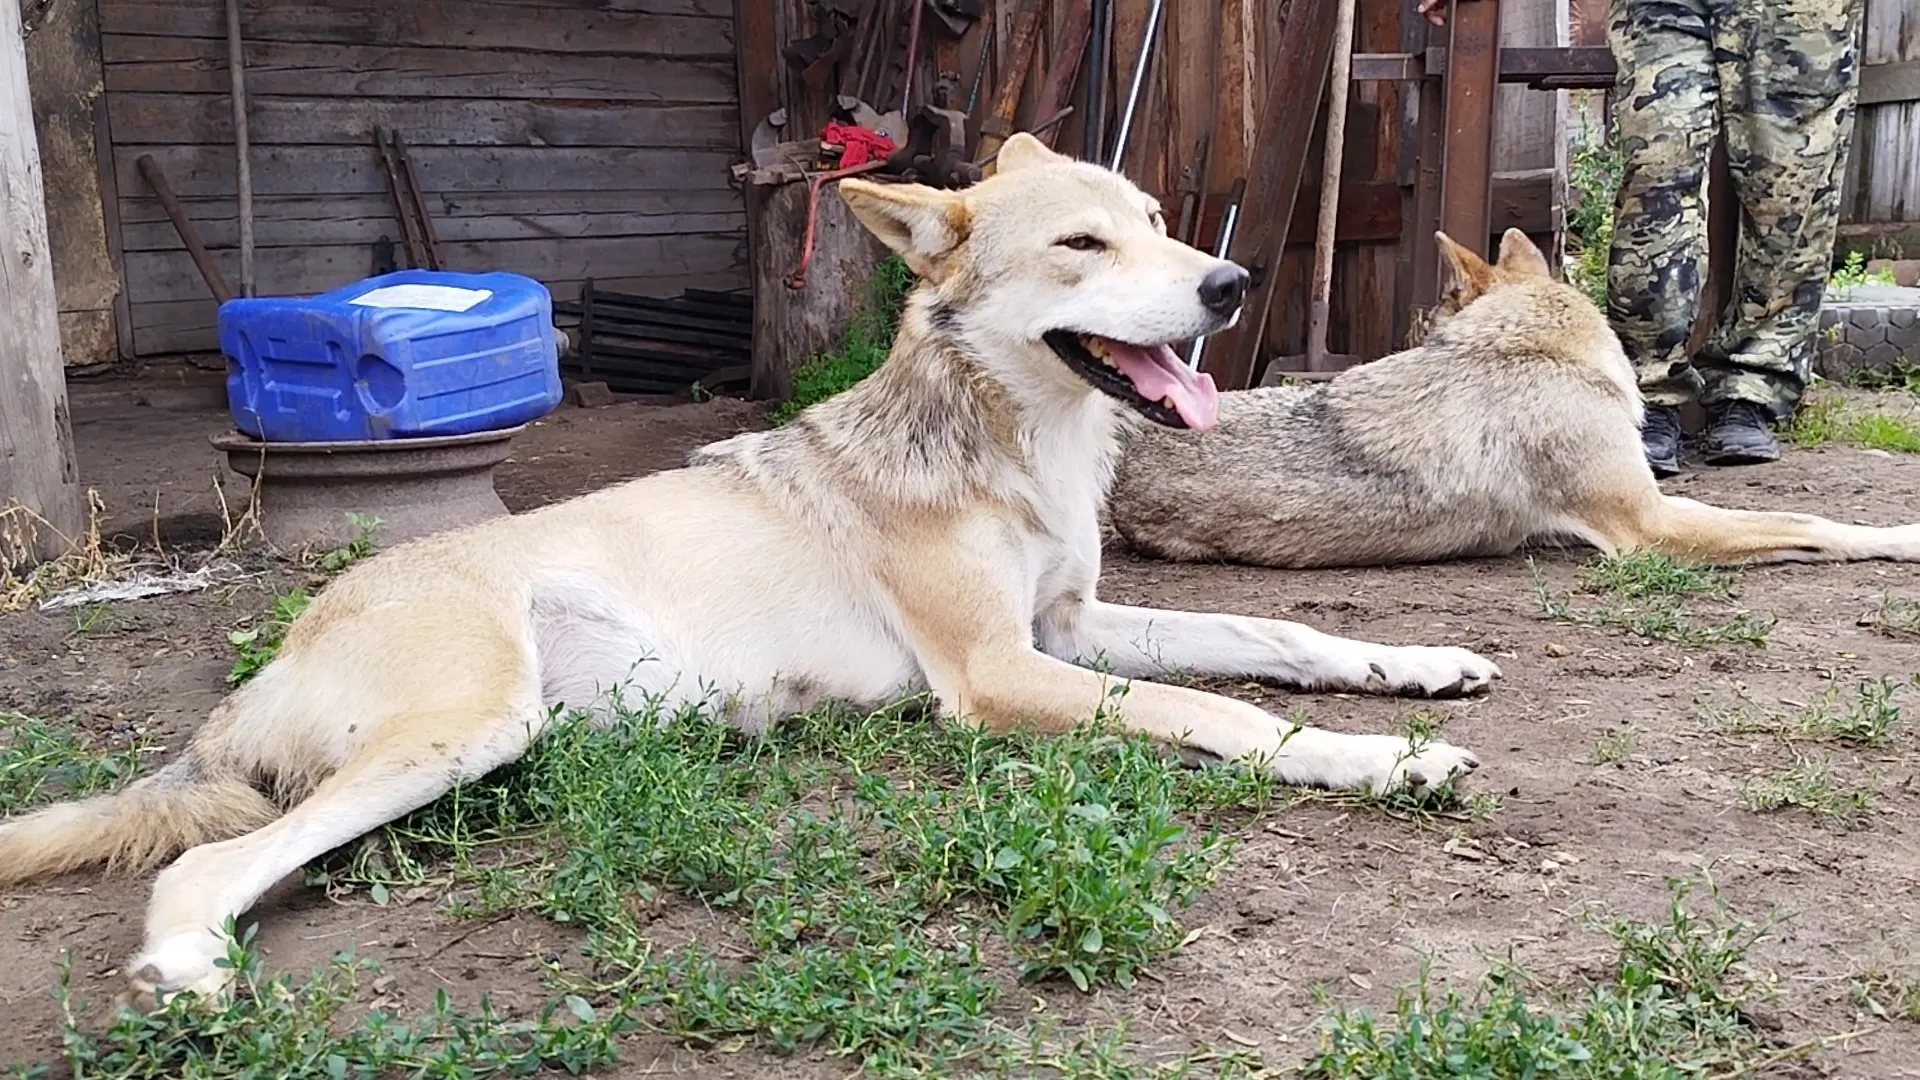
{"type": "Point", "coordinates": [186, 803]}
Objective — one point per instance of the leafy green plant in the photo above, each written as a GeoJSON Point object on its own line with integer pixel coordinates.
{"type": "Point", "coordinates": [287, 1027]}
{"type": "Point", "coordinates": [1594, 169]}
{"type": "Point", "coordinates": [256, 646]}
{"type": "Point", "coordinates": [1853, 273]}
{"type": "Point", "coordinates": [1674, 1005]}
{"type": "Point", "coordinates": [863, 346]}
{"type": "Point", "coordinates": [1868, 719]}
{"type": "Point", "coordinates": [41, 761]}
{"type": "Point", "coordinates": [1651, 595]}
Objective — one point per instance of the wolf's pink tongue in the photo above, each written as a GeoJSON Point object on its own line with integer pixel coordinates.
{"type": "Point", "coordinates": [1158, 373]}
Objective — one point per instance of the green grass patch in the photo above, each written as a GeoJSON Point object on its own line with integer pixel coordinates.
{"type": "Point", "coordinates": [1674, 1004]}
{"type": "Point", "coordinates": [1653, 596]}
{"type": "Point", "coordinates": [1808, 785]}
{"type": "Point", "coordinates": [41, 762]}
{"type": "Point", "coordinates": [1852, 273]}
{"type": "Point", "coordinates": [859, 864]}
{"type": "Point", "coordinates": [1829, 420]}
{"type": "Point", "coordinates": [868, 337]}
{"type": "Point", "coordinates": [1867, 717]}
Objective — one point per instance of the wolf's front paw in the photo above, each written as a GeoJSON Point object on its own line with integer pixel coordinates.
{"type": "Point", "coordinates": [1430, 671]}
{"type": "Point", "coordinates": [1421, 768]}
{"type": "Point", "coordinates": [183, 962]}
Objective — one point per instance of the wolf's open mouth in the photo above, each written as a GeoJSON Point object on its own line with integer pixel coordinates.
{"type": "Point", "coordinates": [1151, 378]}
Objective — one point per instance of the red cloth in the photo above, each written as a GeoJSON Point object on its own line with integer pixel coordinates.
{"type": "Point", "coordinates": [858, 145]}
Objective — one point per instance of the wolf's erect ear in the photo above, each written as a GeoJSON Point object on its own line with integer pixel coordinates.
{"type": "Point", "coordinates": [923, 224]}
{"type": "Point", "coordinates": [1519, 254]}
{"type": "Point", "coordinates": [1471, 275]}
{"type": "Point", "coordinates": [1023, 151]}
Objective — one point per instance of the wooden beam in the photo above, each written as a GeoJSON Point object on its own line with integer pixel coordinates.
{"type": "Point", "coordinates": [1371, 212]}
{"type": "Point", "coordinates": [1287, 118]}
{"type": "Point", "coordinates": [1889, 83]}
{"type": "Point", "coordinates": [39, 482]}
{"type": "Point", "coordinates": [1473, 70]}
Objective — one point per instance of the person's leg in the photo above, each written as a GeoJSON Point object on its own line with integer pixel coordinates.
{"type": "Point", "coordinates": [1664, 116]}
{"type": "Point", "coordinates": [1788, 74]}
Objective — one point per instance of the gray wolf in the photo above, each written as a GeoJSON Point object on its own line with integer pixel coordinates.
{"type": "Point", "coordinates": [935, 529]}
{"type": "Point", "coordinates": [1516, 419]}
{"type": "Point", "coordinates": [1779, 80]}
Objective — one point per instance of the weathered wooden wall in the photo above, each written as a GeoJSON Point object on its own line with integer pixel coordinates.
{"type": "Point", "coordinates": [1883, 180]}
{"type": "Point", "coordinates": [63, 70]}
{"type": "Point", "coordinates": [562, 139]}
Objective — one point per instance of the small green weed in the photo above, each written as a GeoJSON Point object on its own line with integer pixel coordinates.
{"type": "Point", "coordinates": [1828, 420]}
{"type": "Point", "coordinates": [40, 762]}
{"type": "Point", "coordinates": [868, 338]}
{"type": "Point", "coordinates": [283, 1027]}
{"type": "Point", "coordinates": [1807, 785]}
{"type": "Point", "coordinates": [1868, 718]}
{"type": "Point", "coordinates": [1900, 375]}
{"type": "Point", "coordinates": [1897, 617]}
{"type": "Point", "coordinates": [1887, 990]}
{"type": "Point", "coordinates": [1615, 745]}
{"type": "Point", "coordinates": [1594, 169]}
{"type": "Point", "coordinates": [1853, 273]}
{"type": "Point", "coordinates": [1674, 1006]}
{"type": "Point", "coordinates": [255, 647]}
{"type": "Point", "coordinates": [355, 550]}
{"type": "Point", "coordinates": [1648, 595]}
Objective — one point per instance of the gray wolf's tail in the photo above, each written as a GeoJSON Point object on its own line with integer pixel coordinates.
{"type": "Point", "coordinates": [149, 822]}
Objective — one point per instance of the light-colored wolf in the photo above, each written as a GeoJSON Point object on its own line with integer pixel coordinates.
{"type": "Point", "coordinates": [921, 532]}
{"type": "Point", "coordinates": [1517, 419]}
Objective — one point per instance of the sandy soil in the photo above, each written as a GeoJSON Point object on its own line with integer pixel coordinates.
{"type": "Point", "coordinates": [1317, 896]}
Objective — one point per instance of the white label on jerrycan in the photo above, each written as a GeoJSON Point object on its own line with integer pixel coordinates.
{"type": "Point", "coordinates": [424, 297]}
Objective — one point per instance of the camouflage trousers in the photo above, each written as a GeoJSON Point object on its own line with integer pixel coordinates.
{"type": "Point", "coordinates": [1777, 78]}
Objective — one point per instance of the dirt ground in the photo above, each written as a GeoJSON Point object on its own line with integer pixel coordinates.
{"type": "Point", "coordinates": [1318, 896]}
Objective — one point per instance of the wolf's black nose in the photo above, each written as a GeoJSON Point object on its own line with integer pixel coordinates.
{"type": "Point", "coordinates": [1223, 289]}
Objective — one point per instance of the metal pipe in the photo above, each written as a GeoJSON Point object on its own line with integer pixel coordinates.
{"type": "Point", "coordinates": [1229, 218]}
{"type": "Point", "coordinates": [237, 65]}
{"type": "Point", "coordinates": [1139, 80]}
{"type": "Point", "coordinates": [913, 46]}
{"type": "Point", "coordinates": [1099, 41]}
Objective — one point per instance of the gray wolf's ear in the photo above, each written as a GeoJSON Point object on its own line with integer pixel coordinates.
{"type": "Point", "coordinates": [923, 224]}
{"type": "Point", "coordinates": [1023, 151]}
{"type": "Point", "coordinates": [1472, 277]}
{"type": "Point", "coordinates": [1519, 254]}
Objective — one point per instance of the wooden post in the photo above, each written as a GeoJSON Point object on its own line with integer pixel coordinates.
{"type": "Point", "coordinates": [1287, 117]}
{"type": "Point", "coordinates": [243, 157]}
{"type": "Point", "coordinates": [38, 478]}
{"type": "Point", "coordinates": [1473, 75]}
{"type": "Point", "coordinates": [791, 326]}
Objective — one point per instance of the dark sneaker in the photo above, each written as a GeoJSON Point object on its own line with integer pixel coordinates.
{"type": "Point", "coordinates": [1660, 435]}
{"type": "Point", "coordinates": [1738, 433]}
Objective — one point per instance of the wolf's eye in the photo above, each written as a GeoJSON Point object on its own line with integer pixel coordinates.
{"type": "Point", "coordinates": [1082, 242]}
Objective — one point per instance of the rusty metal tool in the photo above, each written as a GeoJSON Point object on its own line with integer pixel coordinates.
{"type": "Point", "coordinates": [798, 279]}
{"type": "Point", "coordinates": [1320, 306]}
{"type": "Point", "coordinates": [182, 224]}
{"type": "Point", "coordinates": [1066, 66]}
{"type": "Point", "coordinates": [1026, 37]}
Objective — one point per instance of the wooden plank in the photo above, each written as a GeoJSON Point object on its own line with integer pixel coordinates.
{"type": "Point", "coordinates": [1886, 147]}
{"type": "Point", "coordinates": [190, 326]}
{"type": "Point", "coordinates": [154, 276]}
{"type": "Point", "coordinates": [1526, 121]}
{"type": "Point", "coordinates": [471, 24]}
{"type": "Point", "coordinates": [37, 466]}
{"type": "Point", "coordinates": [205, 119]}
{"type": "Point", "coordinates": [1287, 119]}
{"type": "Point", "coordinates": [1882, 84]}
{"type": "Point", "coordinates": [145, 64]}
{"type": "Point", "coordinates": [368, 227]}
{"type": "Point", "coordinates": [1473, 70]}
{"type": "Point", "coordinates": [1371, 212]}
{"type": "Point", "coordinates": [63, 67]}
{"type": "Point", "coordinates": [329, 170]}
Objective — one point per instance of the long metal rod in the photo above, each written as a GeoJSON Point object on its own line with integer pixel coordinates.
{"type": "Point", "coordinates": [1229, 218]}
{"type": "Point", "coordinates": [1099, 32]}
{"type": "Point", "coordinates": [1140, 66]}
{"type": "Point", "coordinates": [237, 65]}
